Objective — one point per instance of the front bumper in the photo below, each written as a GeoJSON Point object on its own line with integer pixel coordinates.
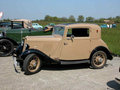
{"type": "Point", "coordinates": [16, 65]}
{"type": "Point", "coordinates": [17, 58]}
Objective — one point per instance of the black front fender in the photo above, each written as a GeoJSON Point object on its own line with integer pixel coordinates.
{"type": "Point", "coordinates": [30, 51]}
{"type": "Point", "coordinates": [42, 55]}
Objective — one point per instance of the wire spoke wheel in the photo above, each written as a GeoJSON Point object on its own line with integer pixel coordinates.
{"type": "Point", "coordinates": [34, 64]}
{"type": "Point", "coordinates": [98, 59]}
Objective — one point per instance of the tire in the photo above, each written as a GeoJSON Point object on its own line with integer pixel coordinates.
{"type": "Point", "coordinates": [32, 64]}
{"type": "Point", "coordinates": [98, 59]}
{"type": "Point", "coordinates": [6, 47]}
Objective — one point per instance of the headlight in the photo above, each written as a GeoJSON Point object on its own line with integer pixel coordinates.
{"type": "Point", "coordinates": [22, 43]}
{"type": "Point", "coordinates": [26, 46]}
{"type": "Point", "coordinates": [19, 50]}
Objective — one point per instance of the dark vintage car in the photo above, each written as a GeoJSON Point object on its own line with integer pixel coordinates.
{"type": "Point", "coordinates": [7, 45]}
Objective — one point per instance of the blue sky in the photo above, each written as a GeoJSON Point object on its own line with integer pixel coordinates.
{"type": "Point", "coordinates": [37, 9]}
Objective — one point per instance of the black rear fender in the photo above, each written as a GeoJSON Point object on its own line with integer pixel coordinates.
{"type": "Point", "coordinates": [102, 48]}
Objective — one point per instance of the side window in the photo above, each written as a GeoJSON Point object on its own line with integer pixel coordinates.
{"type": "Point", "coordinates": [78, 32]}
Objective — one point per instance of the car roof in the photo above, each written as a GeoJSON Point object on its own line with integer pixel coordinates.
{"type": "Point", "coordinates": [79, 24]}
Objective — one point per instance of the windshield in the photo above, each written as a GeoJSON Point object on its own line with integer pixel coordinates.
{"type": "Point", "coordinates": [58, 30]}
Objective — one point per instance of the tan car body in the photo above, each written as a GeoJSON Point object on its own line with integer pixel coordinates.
{"type": "Point", "coordinates": [66, 48]}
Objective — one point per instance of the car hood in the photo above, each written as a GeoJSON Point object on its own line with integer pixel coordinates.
{"type": "Point", "coordinates": [42, 38]}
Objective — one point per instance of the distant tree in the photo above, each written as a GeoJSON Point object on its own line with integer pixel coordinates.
{"type": "Point", "coordinates": [72, 18]}
{"type": "Point", "coordinates": [89, 19]}
{"type": "Point", "coordinates": [36, 20]}
{"type": "Point", "coordinates": [101, 20]}
{"type": "Point", "coordinates": [64, 19]}
{"type": "Point", "coordinates": [6, 20]}
{"type": "Point", "coordinates": [117, 19]}
{"type": "Point", "coordinates": [110, 18]}
{"type": "Point", "coordinates": [80, 18]}
{"type": "Point", "coordinates": [55, 18]}
{"type": "Point", "coordinates": [48, 18]}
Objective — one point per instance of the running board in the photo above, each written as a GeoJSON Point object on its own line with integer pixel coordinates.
{"type": "Point", "coordinates": [74, 61]}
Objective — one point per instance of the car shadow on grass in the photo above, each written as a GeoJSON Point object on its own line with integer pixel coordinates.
{"type": "Point", "coordinates": [56, 67]}
{"type": "Point", "coordinates": [113, 85]}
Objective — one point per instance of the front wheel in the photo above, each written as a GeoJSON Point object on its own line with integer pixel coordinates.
{"type": "Point", "coordinates": [32, 64]}
{"type": "Point", "coordinates": [98, 60]}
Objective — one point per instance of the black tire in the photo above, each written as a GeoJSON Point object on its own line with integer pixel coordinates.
{"type": "Point", "coordinates": [98, 59]}
{"type": "Point", "coordinates": [6, 47]}
{"type": "Point", "coordinates": [32, 64]}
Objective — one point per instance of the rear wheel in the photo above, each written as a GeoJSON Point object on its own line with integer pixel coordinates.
{"type": "Point", "coordinates": [98, 60]}
{"type": "Point", "coordinates": [6, 47]}
{"type": "Point", "coordinates": [32, 64]}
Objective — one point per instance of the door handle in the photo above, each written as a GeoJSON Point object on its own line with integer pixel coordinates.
{"type": "Point", "coordinates": [65, 43]}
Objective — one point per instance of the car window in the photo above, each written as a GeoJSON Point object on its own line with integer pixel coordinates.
{"type": "Point", "coordinates": [78, 32]}
{"type": "Point", "coordinates": [58, 30]}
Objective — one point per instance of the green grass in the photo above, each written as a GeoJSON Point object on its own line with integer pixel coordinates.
{"type": "Point", "coordinates": [112, 39]}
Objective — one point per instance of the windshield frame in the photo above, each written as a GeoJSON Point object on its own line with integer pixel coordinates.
{"type": "Point", "coordinates": [58, 33]}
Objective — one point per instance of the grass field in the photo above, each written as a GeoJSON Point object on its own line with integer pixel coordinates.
{"type": "Point", "coordinates": [110, 36]}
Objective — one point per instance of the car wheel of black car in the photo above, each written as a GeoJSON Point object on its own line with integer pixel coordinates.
{"type": "Point", "coordinates": [6, 47]}
{"type": "Point", "coordinates": [32, 64]}
{"type": "Point", "coordinates": [98, 60]}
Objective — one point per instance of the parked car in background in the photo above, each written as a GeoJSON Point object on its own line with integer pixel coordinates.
{"type": "Point", "coordinates": [108, 26]}
{"type": "Point", "coordinates": [5, 24]}
{"type": "Point", "coordinates": [49, 27]}
{"type": "Point", "coordinates": [114, 25]}
{"type": "Point", "coordinates": [36, 26]}
{"type": "Point", "coordinates": [17, 26]}
{"type": "Point", "coordinates": [104, 26]}
{"type": "Point", "coordinates": [7, 45]}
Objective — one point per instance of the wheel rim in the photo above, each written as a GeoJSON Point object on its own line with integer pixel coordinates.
{"type": "Point", "coordinates": [99, 59]}
{"type": "Point", "coordinates": [5, 47]}
{"type": "Point", "coordinates": [34, 64]}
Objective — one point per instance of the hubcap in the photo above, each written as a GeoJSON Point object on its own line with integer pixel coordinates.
{"type": "Point", "coordinates": [34, 64]}
{"type": "Point", "coordinates": [99, 59]}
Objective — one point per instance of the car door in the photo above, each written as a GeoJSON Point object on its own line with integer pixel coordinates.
{"type": "Point", "coordinates": [76, 45]}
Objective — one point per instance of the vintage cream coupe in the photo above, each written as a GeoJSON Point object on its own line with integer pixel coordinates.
{"type": "Point", "coordinates": [68, 44]}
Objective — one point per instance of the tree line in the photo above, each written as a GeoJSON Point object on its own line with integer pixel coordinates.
{"type": "Point", "coordinates": [79, 19]}
{"type": "Point", "coordinates": [71, 18]}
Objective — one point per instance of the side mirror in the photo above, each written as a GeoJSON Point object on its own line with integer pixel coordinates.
{"type": "Point", "coordinates": [72, 36]}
